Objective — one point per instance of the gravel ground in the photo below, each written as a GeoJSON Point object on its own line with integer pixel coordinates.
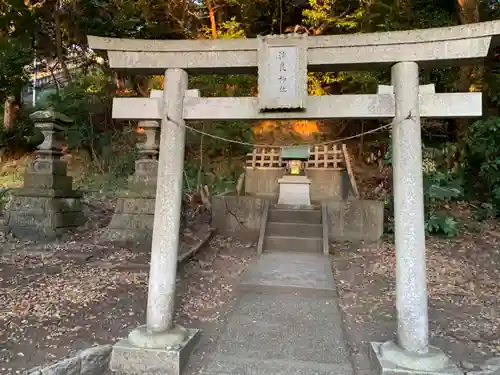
{"type": "Point", "coordinates": [60, 297]}
{"type": "Point", "coordinates": [463, 286]}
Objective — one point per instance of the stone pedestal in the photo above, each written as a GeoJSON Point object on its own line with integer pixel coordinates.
{"type": "Point", "coordinates": [295, 190]}
{"type": "Point", "coordinates": [46, 205]}
{"type": "Point", "coordinates": [134, 212]}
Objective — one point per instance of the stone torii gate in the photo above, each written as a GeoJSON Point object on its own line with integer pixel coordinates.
{"type": "Point", "coordinates": [282, 63]}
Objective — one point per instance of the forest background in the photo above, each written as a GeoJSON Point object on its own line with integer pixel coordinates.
{"type": "Point", "coordinates": [461, 157]}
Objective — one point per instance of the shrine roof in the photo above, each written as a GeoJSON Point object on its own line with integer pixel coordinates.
{"type": "Point", "coordinates": [295, 152]}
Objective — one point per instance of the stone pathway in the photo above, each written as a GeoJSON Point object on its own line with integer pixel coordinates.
{"type": "Point", "coordinates": [286, 321]}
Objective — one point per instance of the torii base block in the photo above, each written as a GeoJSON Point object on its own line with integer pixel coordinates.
{"type": "Point", "coordinates": [127, 359]}
{"type": "Point", "coordinates": [395, 361]}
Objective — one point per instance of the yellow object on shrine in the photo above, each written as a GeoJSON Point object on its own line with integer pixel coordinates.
{"type": "Point", "coordinates": [295, 167]}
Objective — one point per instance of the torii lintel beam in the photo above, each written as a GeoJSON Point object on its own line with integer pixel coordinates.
{"type": "Point", "coordinates": [378, 106]}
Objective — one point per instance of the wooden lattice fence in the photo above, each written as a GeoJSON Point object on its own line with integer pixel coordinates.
{"type": "Point", "coordinates": [265, 157]}
{"type": "Point", "coordinates": [332, 156]}
{"type": "Point", "coordinates": [329, 156]}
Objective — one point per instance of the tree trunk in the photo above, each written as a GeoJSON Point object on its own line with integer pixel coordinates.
{"type": "Point", "coordinates": [141, 85]}
{"type": "Point", "coordinates": [10, 111]}
{"type": "Point", "coordinates": [59, 43]}
{"type": "Point", "coordinates": [467, 12]}
{"type": "Point", "coordinates": [211, 15]}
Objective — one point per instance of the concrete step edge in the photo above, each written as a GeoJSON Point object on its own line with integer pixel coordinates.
{"type": "Point", "coordinates": [293, 210]}
{"type": "Point", "coordinates": [294, 238]}
{"type": "Point", "coordinates": [273, 250]}
{"type": "Point", "coordinates": [290, 223]}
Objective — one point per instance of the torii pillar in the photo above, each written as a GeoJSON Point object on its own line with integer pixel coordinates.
{"type": "Point", "coordinates": [161, 346]}
{"type": "Point", "coordinates": [411, 352]}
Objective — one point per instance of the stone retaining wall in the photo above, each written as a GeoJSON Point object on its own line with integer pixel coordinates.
{"type": "Point", "coordinates": [350, 220]}
{"type": "Point", "coordinates": [237, 216]}
{"type": "Point", "coordinates": [325, 183]}
{"type": "Point", "coordinates": [355, 220]}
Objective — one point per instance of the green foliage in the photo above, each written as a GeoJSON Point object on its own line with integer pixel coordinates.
{"type": "Point", "coordinates": [14, 55]}
{"type": "Point", "coordinates": [325, 14]}
{"type": "Point", "coordinates": [225, 30]}
{"type": "Point", "coordinates": [217, 183]}
{"type": "Point", "coordinates": [21, 136]}
{"type": "Point", "coordinates": [87, 101]}
{"type": "Point", "coordinates": [16, 20]}
{"type": "Point", "coordinates": [4, 198]}
{"type": "Point", "coordinates": [134, 18]}
{"type": "Point", "coordinates": [442, 224]}
{"type": "Point", "coordinates": [483, 162]}
{"type": "Point", "coordinates": [88, 97]}
{"type": "Point", "coordinates": [440, 186]}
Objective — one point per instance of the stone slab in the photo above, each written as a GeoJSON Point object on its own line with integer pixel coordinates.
{"type": "Point", "coordinates": [130, 360]}
{"type": "Point", "coordinates": [285, 327]}
{"type": "Point", "coordinates": [131, 205]}
{"type": "Point", "coordinates": [91, 361]}
{"type": "Point", "coordinates": [47, 220]}
{"type": "Point", "coordinates": [37, 234]}
{"type": "Point", "coordinates": [282, 71]}
{"type": "Point", "coordinates": [224, 365]}
{"type": "Point", "coordinates": [49, 193]}
{"type": "Point", "coordinates": [70, 366]}
{"type": "Point", "coordinates": [142, 236]}
{"type": "Point", "coordinates": [306, 274]}
{"type": "Point", "coordinates": [45, 204]}
{"type": "Point", "coordinates": [48, 181]}
{"type": "Point", "coordinates": [95, 360]}
{"type": "Point", "coordinates": [132, 221]}
{"type": "Point", "coordinates": [385, 367]}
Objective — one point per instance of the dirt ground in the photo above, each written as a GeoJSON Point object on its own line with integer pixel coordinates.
{"type": "Point", "coordinates": [59, 297]}
{"type": "Point", "coordinates": [463, 286]}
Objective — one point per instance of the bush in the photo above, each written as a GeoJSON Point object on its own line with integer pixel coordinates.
{"type": "Point", "coordinates": [88, 102]}
{"type": "Point", "coordinates": [441, 184]}
{"type": "Point", "coordinates": [483, 160]}
{"type": "Point", "coordinates": [21, 137]}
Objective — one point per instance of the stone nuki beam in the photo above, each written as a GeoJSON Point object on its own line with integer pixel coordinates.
{"type": "Point", "coordinates": [423, 89]}
{"type": "Point", "coordinates": [317, 107]}
{"type": "Point", "coordinates": [433, 47]}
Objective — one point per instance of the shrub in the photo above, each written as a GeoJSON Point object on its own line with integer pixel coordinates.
{"type": "Point", "coordinates": [441, 184]}
{"type": "Point", "coordinates": [483, 160]}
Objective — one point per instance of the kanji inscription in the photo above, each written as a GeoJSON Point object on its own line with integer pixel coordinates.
{"type": "Point", "coordinates": [284, 68]}
{"type": "Point", "coordinates": [282, 77]}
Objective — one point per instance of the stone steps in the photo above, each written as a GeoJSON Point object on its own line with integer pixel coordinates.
{"type": "Point", "coordinates": [295, 244]}
{"type": "Point", "coordinates": [301, 229]}
{"type": "Point", "coordinates": [293, 229]}
{"type": "Point", "coordinates": [290, 215]}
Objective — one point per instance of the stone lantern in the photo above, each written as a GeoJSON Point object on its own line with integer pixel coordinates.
{"type": "Point", "coordinates": [46, 205]}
